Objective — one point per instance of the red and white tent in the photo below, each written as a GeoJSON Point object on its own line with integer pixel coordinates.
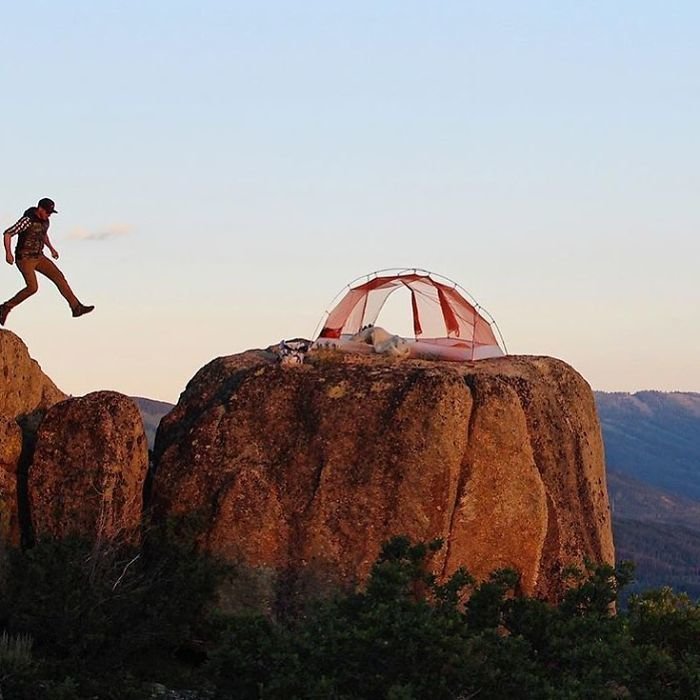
{"type": "Point", "coordinates": [445, 324]}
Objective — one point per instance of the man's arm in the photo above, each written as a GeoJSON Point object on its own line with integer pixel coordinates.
{"type": "Point", "coordinates": [54, 252]}
{"type": "Point", "coordinates": [20, 226]}
{"type": "Point", "coordinates": [6, 238]}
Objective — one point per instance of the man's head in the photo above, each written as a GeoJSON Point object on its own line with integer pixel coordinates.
{"type": "Point", "coordinates": [45, 208]}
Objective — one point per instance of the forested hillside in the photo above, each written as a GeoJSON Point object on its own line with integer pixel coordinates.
{"type": "Point", "coordinates": [654, 437]}
{"type": "Point", "coordinates": [652, 445]}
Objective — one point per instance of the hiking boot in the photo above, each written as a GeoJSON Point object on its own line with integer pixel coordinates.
{"type": "Point", "coordinates": [81, 310]}
{"type": "Point", "coordinates": [4, 310]}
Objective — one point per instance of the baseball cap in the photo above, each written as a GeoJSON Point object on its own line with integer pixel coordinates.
{"type": "Point", "coordinates": [48, 204]}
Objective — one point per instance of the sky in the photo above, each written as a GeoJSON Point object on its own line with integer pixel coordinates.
{"type": "Point", "coordinates": [223, 169]}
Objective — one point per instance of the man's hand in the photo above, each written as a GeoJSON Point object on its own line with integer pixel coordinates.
{"type": "Point", "coordinates": [10, 258]}
{"type": "Point", "coordinates": [54, 253]}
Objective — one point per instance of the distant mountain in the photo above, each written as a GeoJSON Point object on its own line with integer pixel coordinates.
{"type": "Point", "coordinates": [659, 531]}
{"type": "Point", "coordinates": [151, 412]}
{"type": "Point", "coordinates": [654, 437]}
{"type": "Point", "coordinates": [631, 499]}
{"type": "Point", "coordinates": [652, 449]}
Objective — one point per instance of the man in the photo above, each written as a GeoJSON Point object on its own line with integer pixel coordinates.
{"type": "Point", "coordinates": [32, 232]}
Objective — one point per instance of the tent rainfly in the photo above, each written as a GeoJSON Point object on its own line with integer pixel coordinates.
{"type": "Point", "coordinates": [445, 325]}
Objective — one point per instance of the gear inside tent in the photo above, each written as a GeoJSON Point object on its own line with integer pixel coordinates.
{"type": "Point", "coordinates": [448, 324]}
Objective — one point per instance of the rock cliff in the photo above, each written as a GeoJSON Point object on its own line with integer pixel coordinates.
{"type": "Point", "coordinates": [67, 465]}
{"type": "Point", "coordinates": [306, 470]}
{"type": "Point", "coordinates": [10, 451]}
{"type": "Point", "coordinates": [25, 394]}
{"type": "Point", "coordinates": [24, 388]}
{"type": "Point", "coordinates": [312, 467]}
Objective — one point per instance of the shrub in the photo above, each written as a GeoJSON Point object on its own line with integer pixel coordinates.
{"type": "Point", "coordinates": [104, 611]}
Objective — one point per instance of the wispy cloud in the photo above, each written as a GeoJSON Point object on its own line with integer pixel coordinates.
{"type": "Point", "coordinates": [113, 231]}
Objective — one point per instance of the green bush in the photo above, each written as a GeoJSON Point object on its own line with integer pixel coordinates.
{"type": "Point", "coordinates": [105, 622]}
{"type": "Point", "coordinates": [110, 614]}
{"type": "Point", "coordinates": [404, 636]}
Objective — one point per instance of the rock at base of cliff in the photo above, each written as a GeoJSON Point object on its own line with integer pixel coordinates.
{"type": "Point", "coordinates": [88, 470]}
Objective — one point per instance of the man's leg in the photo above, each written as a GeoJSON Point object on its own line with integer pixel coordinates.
{"type": "Point", "coordinates": [27, 267]}
{"type": "Point", "coordinates": [49, 269]}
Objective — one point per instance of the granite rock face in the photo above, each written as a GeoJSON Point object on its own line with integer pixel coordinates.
{"type": "Point", "coordinates": [89, 468]}
{"type": "Point", "coordinates": [313, 467]}
{"type": "Point", "coordinates": [10, 451]}
{"type": "Point", "coordinates": [24, 388]}
{"type": "Point", "coordinates": [25, 394]}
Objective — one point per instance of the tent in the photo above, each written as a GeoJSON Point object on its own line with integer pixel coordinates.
{"type": "Point", "coordinates": [445, 324]}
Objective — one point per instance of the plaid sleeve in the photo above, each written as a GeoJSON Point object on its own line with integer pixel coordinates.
{"type": "Point", "coordinates": [20, 226]}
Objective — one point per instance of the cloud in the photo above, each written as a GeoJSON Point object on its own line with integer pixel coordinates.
{"type": "Point", "coordinates": [113, 231]}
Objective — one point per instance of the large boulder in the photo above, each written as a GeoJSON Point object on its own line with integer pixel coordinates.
{"type": "Point", "coordinates": [88, 470]}
{"type": "Point", "coordinates": [313, 467]}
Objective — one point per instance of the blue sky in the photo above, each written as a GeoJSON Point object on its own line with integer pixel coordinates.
{"type": "Point", "coordinates": [222, 169]}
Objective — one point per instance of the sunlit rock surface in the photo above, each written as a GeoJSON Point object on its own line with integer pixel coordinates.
{"type": "Point", "coordinates": [88, 469]}
{"type": "Point", "coordinates": [310, 468]}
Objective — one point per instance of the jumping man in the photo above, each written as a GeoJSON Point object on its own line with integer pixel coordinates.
{"type": "Point", "coordinates": [32, 232]}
